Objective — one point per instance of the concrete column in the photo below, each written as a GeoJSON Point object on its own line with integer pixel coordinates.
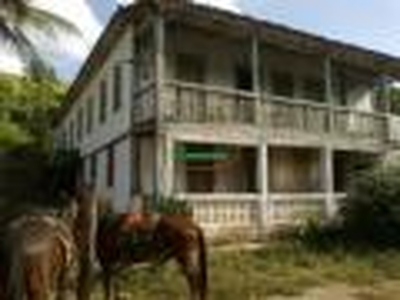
{"type": "Point", "coordinates": [263, 181]}
{"type": "Point", "coordinates": [331, 207]}
{"type": "Point", "coordinates": [159, 33]}
{"type": "Point", "coordinates": [166, 147]}
{"type": "Point", "coordinates": [257, 89]}
{"type": "Point", "coordinates": [159, 42]}
{"type": "Point", "coordinates": [262, 171]}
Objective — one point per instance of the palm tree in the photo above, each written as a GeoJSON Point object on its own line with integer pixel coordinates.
{"type": "Point", "coordinates": [20, 21]}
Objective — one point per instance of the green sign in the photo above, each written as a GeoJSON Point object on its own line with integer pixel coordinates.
{"type": "Point", "coordinates": [201, 153]}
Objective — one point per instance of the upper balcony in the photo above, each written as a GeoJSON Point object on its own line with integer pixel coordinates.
{"type": "Point", "coordinates": [289, 96]}
{"type": "Point", "coordinates": [285, 120]}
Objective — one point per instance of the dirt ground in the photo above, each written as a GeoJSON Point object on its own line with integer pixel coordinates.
{"type": "Point", "coordinates": [382, 291]}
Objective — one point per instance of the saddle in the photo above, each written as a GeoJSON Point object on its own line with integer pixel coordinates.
{"type": "Point", "coordinates": [139, 221]}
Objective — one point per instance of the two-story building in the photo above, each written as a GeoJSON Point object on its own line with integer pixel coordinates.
{"type": "Point", "coordinates": [253, 123]}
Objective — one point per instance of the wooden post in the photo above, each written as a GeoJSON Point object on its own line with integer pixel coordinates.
{"type": "Point", "coordinates": [87, 226]}
{"type": "Point", "coordinates": [134, 149]}
{"type": "Point", "coordinates": [331, 207]}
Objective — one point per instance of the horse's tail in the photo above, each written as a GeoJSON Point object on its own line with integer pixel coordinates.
{"type": "Point", "coordinates": [203, 284]}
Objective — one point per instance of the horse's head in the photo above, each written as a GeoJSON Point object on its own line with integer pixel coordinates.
{"type": "Point", "coordinates": [68, 213]}
{"type": "Point", "coordinates": [81, 213]}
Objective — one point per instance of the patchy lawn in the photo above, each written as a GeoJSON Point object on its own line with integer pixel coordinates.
{"type": "Point", "coordinates": [279, 271]}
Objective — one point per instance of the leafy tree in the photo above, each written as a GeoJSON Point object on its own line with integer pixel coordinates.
{"type": "Point", "coordinates": [371, 212]}
{"type": "Point", "coordinates": [394, 98]}
{"type": "Point", "coordinates": [20, 21]}
{"type": "Point", "coordinates": [26, 106]}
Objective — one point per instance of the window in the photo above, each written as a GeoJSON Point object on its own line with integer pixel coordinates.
{"type": "Point", "coordinates": [71, 134]}
{"type": "Point", "coordinates": [63, 139]}
{"type": "Point", "coordinates": [244, 78]}
{"type": "Point", "coordinates": [314, 89]}
{"type": "Point", "coordinates": [144, 52]}
{"type": "Point", "coordinates": [190, 68]}
{"type": "Point", "coordinates": [103, 102]}
{"type": "Point", "coordinates": [282, 84]}
{"type": "Point", "coordinates": [89, 115]}
{"type": "Point", "coordinates": [110, 166]}
{"type": "Point", "coordinates": [200, 176]}
{"type": "Point", "coordinates": [93, 168]}
{"type": "Point", "coordinates": [79, 125]}
{"type": "Point", "coordinates": [117, 87]}
{"type": "Point", "coordinates": [205, 168]}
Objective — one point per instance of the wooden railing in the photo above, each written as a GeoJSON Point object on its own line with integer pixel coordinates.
{"type": "Point", "coordinates": [183, 102]}
{"type": "Point", "coordinates": [196, 103]}
{"type": "Point", "coordinates": [296, 115]}
{"type": "Point", "coordinates": [144, 103]}
{"type": "Point", "coordinates": [394, 129]}
{"type": "Point", "coordinates": [358, 124]}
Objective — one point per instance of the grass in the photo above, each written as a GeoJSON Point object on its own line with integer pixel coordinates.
{"type": "Point", "coordinates": [278, 269]}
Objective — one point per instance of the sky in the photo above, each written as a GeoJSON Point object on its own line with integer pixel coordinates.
{"type": "Point", "coordinates": [373, 24]}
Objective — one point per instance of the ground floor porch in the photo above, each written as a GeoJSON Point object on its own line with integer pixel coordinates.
{"type": "Point", "coordinates": [238, 190]}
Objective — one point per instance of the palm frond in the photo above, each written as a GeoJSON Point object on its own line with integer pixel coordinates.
{"type": "Point", "coordinates": [47, 22]}
{"type": "Point", "coordinates": [16, 8]}
{"type": "Point", "coordinates": [6, 32]}
{"type": "Point", "coordinates": [36, 65]}
{"type": "Point", "coordinates": [20, 21]}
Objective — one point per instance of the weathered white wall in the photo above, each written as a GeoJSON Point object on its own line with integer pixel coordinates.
{"type": "Point", "coordinates": [121, 192]}
{"type": "Point", "coordinates": [101, 175]}
{"type": "Point", "coordinates": [295, 170]}
{"type": "Point", "coordinates": [118, 122]}
{"type": "Point", "coordinates": [116, 125]}
{"type": "Point", "coordinates": [146, 148]}
{"type": "Point", "coordinates": [221, 56]}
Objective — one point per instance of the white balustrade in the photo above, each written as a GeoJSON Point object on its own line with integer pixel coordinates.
{"type": "Point", "coordinates": [223, 211]}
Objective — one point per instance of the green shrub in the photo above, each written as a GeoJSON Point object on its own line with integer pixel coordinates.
{"type": "Point", "coordinates": [32, 178]}
{"type": "Point", "coordinates": [371, 212]}
{"type": "Point", "coordinates": [318, 235]}
{"type": "Point", "coordinates": [171, 206]}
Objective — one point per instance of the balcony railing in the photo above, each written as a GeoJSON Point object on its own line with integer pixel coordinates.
{"type": "Point", "coordinates": [144, 103]}
{"type": "Point", "coordinates": [358, 124]}
{"type": "Point", "coordinates": [195, 103]}
{"type": "Point", "coordinates": [394, 129]}
{"type": "Point", "coordinates": [296, 115]}
{"type": "Point", "coordinates": [183, 102]}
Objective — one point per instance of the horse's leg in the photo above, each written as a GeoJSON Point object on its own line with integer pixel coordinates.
{"type": "Point", "coordinates": [63, 284]}
{"type": "Point", "coordinates": [202, 259]}
{"type": "Point", "coordinates": [107, 278]}
{"type": "Point", "coordinates": [191, 272]}
{"type": "Point", "coordinates": [36, 285]}
{"type": "Point", "coordinates": [192, 261]}
{"type": "Point", "coordinates": [190, 275]}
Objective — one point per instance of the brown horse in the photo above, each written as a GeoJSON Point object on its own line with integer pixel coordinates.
{"type": "Point", "coordinates": [40, 251]}
{"type": "Point", "coordinates": [129, 238]}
